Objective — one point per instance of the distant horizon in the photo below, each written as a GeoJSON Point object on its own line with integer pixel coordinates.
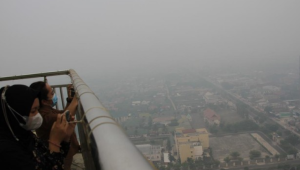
{"type": "Point", "coordinates": [117, 37]}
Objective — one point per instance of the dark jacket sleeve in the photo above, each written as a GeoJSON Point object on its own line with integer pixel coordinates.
{"type": "Point", "coordinates": [14, 157]}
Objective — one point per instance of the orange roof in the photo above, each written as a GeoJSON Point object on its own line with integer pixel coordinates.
{"type": "Point", "coordinates": [188, 131]}
{"type": "Point", "coordinates": [211, 115]}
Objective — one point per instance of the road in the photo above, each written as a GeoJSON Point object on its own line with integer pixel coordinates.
{"type": "Point", "coordinates": [249, 105]}
{"type": "Point", "coordinates": [169, 97]}
{"type": "Point", "coordinates": [287, 128]}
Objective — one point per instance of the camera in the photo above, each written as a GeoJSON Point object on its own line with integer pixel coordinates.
{"type": "Point", "coordinates": [68, 117]}
{"type": "Point", "coordinates": [72, 92]}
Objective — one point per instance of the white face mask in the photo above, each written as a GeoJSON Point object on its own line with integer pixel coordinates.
{"type": "Point", "coordinates": [33, 122]}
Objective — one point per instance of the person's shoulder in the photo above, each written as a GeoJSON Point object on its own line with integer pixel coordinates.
{"type": "Point", "coordinates": [45, 108]}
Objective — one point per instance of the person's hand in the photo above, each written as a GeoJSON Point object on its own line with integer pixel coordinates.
{"type": "Point", "coordinates": [75, 101]}
{"type": "Point", "coordinates": [61, 130]}
{"type": "Point", "coordinates": [69, 87]}
{"type": "Point", "coordinates": [57, 133]}
{"type": "Point", "coordinates": [69, 129]}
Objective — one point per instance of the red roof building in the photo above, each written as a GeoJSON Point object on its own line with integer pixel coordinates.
{"type": "Point", "coordinates": [211, 117]}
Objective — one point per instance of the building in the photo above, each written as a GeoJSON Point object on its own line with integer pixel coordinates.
{"type": "Point", "coordinates": [211, 117]}
{"type": "Point", "coordinates": [190, 143]}
{"type": "Point", "coordinates": [166, 158]}
{"type": "Point", "coordinates": [163, 120]}
{"type": "Point", "coordinates": [211, 98]}
{"type": "Point", "coordinates": [151, 152]}
{"type": "Point", "coordinates": [290, 157]}
{"type": "Point", "coordinates": [135, 103]}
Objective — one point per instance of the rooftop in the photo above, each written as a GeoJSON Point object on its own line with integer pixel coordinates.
{"type": "Point", "coordinates": [166, 158]}
{"type": "Point", "coordinates": [188, 131]}
{"type": "Point", "coordinates": [211, 115]}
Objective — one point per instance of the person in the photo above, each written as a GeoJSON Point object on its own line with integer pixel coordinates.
{"type": "Point", "coordinates": [48, 100]}
{"type": "Point", "coordinates": [19, 147]}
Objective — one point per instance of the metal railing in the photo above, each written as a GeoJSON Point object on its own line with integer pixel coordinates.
{"type": "Point", "coordinates": [103, 142]}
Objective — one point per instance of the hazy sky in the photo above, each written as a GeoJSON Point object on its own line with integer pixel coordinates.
{"type": "Point", "coordinates": [107, 36]}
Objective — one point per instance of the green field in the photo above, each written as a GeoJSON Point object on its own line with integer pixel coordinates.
{"type": "Point", "coordinates": [284, 114]}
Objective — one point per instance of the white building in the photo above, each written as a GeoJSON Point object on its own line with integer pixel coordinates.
{"type": "Point", "coordinates": [198, 151]}
{"type": "Point", "coordinates": [166, 158]}
{"type": "Point", "coordinates": [136, 103]}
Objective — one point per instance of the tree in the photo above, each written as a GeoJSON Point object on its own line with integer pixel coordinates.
{"type": "Point", "coordinates": [191, 163]}
{"type": "Point", "coordinates": [171, 158]}
{"type": "Point", "coordinates": [174, 122]}
{"type": "Point", "coordinates": [261, 119]}
{"type": "Point", "coordinates": [288, 147]}
{"type": "Point", "coordinates": [177, 166]}
{"type": "Point", "coordinates": [185, 165]}
{"type": "Point", "coordinates": [254, 154]}
{"type": "Point", "coordinates": [213, 129]}
{"type": "Point", "coordinates": [190, 160]}
{"type": "Point", "coordinates": [226, 85]}
{"type": "Point", "coordinates": [241, 109]}
{"type": "Point", "coordinates": [268, 109]}
{"type": "Point", "coordinates": [217, 163]}
{"type": "Point", "coordinates": [271, 127]}
{"type": "Point", "coordinates": [227, 159]}
{"type": "Point", "coordinates": [165, 129]}
{"type": "Point", "coordinates": [293, 139]}
{"type": "Point", "coordinates": [244, 125]}
{"type": "Point", "coordinates": [235, 155]}
{"type": "Point", "coordinates": [150, 121]}
{"type": "Point", "coordinates": [284, 166]}
{"type": "Point", "coordinates": [169, 145]}
{"type": "Point", "coordinates": [199, 162]}
{"type": "Point", "coordinates": [162, 167]}
{"type": "Point", "coordinates": [155, 127]}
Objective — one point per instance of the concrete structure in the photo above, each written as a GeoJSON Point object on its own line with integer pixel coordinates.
{"type": "Point", "coordinates": [267, 146]}
{"type": "Point", "coordinates": [190, 143]}
{"type": "Point", "coordinates": [166, 158]}
{"type": "Point", "coordinates": [151, 152]}
{"type": "Point", "coordinates": [211, 117]}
